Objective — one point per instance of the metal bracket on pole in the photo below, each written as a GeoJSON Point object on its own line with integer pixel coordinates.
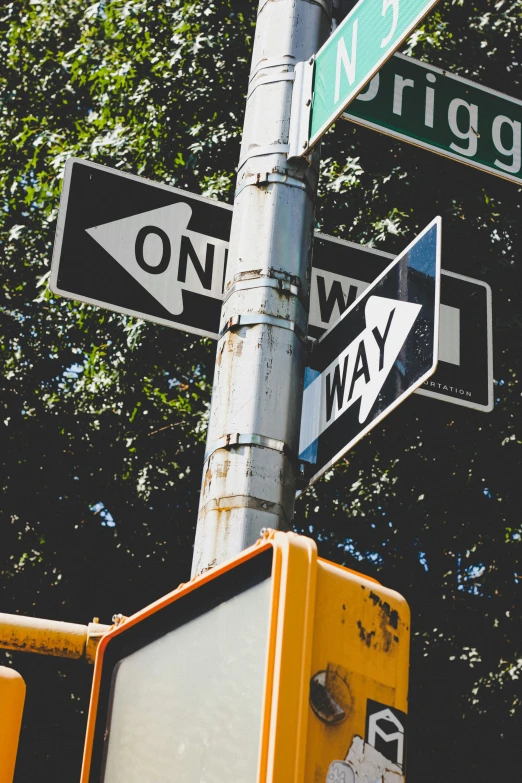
{"type": "Point", "coordinates": [303, 477]}
{"type": "Point", "coordinates": [262, 282]}
{"type": "Point", "coordinates": [272, 62]}
{"type": "Point", "coordinates": [250, 439]}
{"type": "Point", "coordinates": [311, 342]}
{"type": "Point", "coordinates": [271, 274]}
{"type": "Point", "coordinates": [260, 318]}
{"type": "Point", "coordinates": [265, 178]}
{"type": "Point", "coordinates": [298, 136]}
{"type": "Point", "coordinates": [229, 502]}
{"type": "Point", "coordinates": [265, 149]}
{"type": "Point", "coordinates": [269, 78]}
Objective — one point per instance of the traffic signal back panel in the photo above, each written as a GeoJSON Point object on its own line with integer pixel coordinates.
{"type": "Point", "coordinates": [276, 666]}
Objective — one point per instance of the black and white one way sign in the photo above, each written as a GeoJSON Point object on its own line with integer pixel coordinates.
{"type": "Point", "coordinates": [381, 349]}
{"type": "Point", "coordinates": [166, 263]}
{"type": "Point", "coordinates": [145, 249]}
{"type": "Point", "coordinates": [343, 270]}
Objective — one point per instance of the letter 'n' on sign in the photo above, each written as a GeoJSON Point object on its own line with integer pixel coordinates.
{"type": "Point", "coordinates": [203, 271]}
{"type": "Point", "coordinates": [345, 63]}
{"type": "Point", "coordinates": [376, 354]}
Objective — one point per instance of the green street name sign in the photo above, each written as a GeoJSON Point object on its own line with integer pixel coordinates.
{"type": "Point", "coordinates": [353, 54]}
{"type": "Point", "coordinates": [438, 111]}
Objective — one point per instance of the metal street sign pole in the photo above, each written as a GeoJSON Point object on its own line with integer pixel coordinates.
{"type": "Point", "coordinates": [250, 467]}
{"type": "Point", "coordinates": [349, 59]}
{"type": "Point", "coordinates": [445, 113]}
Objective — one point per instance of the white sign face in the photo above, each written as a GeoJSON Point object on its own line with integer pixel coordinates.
{"type": "Point", "coordinates": [179, 703]}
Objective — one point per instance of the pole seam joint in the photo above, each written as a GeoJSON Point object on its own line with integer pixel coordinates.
{"type": "Point", "coordinates": [262, 282]}
{"type": "Point", "coordinates": [237, 321]}
{"type": "Point", "coordinates": [236, 439]}
{"type": "Point", "coordinates": [266, 178]}
{"type": "Point", "coordinates": [229, 502]}
{"type": "Point", "coordinates": [272, 62]}
{"type": "Point", "coordinates": [263, 149]}
{"type": "Point", "coordinates": [285, 76]}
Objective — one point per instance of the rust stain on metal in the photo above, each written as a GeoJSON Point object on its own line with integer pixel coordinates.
{"type": "Point", "coordinates": [364, 635]}
{"type": "Point", "coordinates": [222, 469]}
{"type": "Point", "coordinates": [50, 637]}
{"type": "Point", "coordinates": [219, 356]}
{"type": "Point", "coordinates": [207, 481]}
{"type": "Point", "coordinates": [391, 614]}
{"type": "Point", "coordinates": [388, 619]}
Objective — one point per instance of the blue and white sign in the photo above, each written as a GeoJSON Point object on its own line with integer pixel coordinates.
{"type": "Point", "coordinates": [380, 350]}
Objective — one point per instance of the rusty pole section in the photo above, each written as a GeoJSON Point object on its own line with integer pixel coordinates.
{"type": "Point", "coordinates": [50, 637]}
{"type": "Point", "coordinates": [251, 465]}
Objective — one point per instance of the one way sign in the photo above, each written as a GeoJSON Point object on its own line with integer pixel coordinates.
{"type": "Point", "coordinates": [170, 259]}
{"type": "Point", "coordinates": [142, 248]}
{"type": "Point", "coordinates": [381, 349]}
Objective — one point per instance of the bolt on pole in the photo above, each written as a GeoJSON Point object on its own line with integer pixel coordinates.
{"type": "Point", "coordinates": [251, 463]}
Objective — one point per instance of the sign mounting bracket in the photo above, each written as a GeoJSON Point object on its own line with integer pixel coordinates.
{"type": "Point", "coordinates": [298, 136]}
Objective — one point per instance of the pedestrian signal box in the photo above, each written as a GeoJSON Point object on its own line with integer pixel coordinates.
{"type": "Point", "coordinates": [275, 667]}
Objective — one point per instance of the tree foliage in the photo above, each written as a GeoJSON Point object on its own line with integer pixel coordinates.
{"type": "Point", "coordinates": [103, 416]}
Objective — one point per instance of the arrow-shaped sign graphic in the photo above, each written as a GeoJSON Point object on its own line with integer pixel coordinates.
{"type": "Point", "coordinates": [379, 351]}
{"type": "Point", "coordinates": [159, 252]}
{"type": "Point", "coordinates": [359, 372]}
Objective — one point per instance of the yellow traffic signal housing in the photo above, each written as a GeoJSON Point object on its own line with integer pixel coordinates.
{"type": "Point", "coordinates": [12, 697]}
{"type": "Point", "coordinates": [275, 667]}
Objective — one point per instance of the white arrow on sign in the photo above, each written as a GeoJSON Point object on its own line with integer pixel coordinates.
{"type": "Point", "coordinates": [377, 353]}
{"type": "Point", "coordinates": [159, 252]}
{"type": "Point", "coordinates": [331, 294]}
{"type": "Point", "coordinates": [360, 371]}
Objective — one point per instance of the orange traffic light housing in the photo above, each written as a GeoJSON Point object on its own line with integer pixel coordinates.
{"type": "Point", "coordinates": [12, 698]}
{"type": "Point", "coordinates": [275, 667]}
